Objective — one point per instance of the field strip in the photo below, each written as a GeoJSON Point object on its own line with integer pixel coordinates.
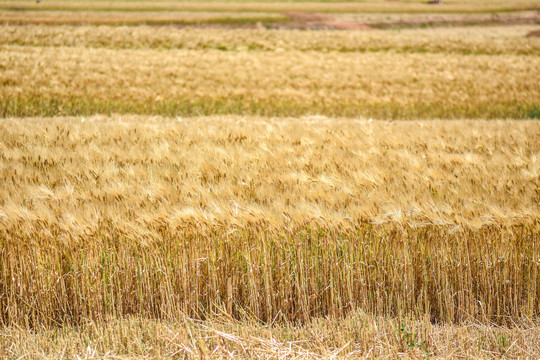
{"type": "Point", "coordinates": [74, 80]}
{"type": "Point", "coordinates": [263, 19]}
{"type": "Point", "coordinates": [177, 18]}
{"type": "Point", "coordinates": [356, 336]}
{"type": "Point", "coordinates": [489, 40]}
{"type": "Point", "coordinates": [330, 7]}
{"type": "Point", "coordinates": [348, 170]}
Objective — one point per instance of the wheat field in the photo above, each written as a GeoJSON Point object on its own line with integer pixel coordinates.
{"type": "Point", "coordinates": [52, 71]}
{"type": "Point", "coordinates": [255, 169]}
{"type": "Point", "coordinates": [269, 180]}
{"type": "Point", "coordinates": [284, 220]}
{"type": "Point", "coordinates": [477, 40]}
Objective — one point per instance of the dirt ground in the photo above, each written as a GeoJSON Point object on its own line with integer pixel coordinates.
{"type": "Point", "coordinates": [310, 20]}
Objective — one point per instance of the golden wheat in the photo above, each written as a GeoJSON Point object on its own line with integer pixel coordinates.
{"type": "Point", "coordinates": [276, 219]}
{"type": "Point", "coordinates": [225, 168]}
{"type": "Point", "coordinates": [488, 40]}
{"type": "Point", "coordinates": [70, 80]}
{"type": "Point", "coordinates": [128, 236]}
{"type": "Point", "coordinates": [483, 73]}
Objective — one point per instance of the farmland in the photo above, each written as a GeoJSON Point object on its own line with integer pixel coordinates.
{"type": "Point", "coordinates": [58, 70]}
{"type": "Point", "coordinates": [242, 180]}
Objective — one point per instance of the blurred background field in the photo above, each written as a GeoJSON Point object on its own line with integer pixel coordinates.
{"type": "Point", "coordinates": [479, 72]}
{"type": "Point", "coordinates": [455, 60]}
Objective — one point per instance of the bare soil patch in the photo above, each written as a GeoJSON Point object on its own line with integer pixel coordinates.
{"type": "Point", "coordinates": [311, 20]}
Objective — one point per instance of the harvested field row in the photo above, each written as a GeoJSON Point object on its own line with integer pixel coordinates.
{"type": "Point", "coordinates": [358, 336]}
